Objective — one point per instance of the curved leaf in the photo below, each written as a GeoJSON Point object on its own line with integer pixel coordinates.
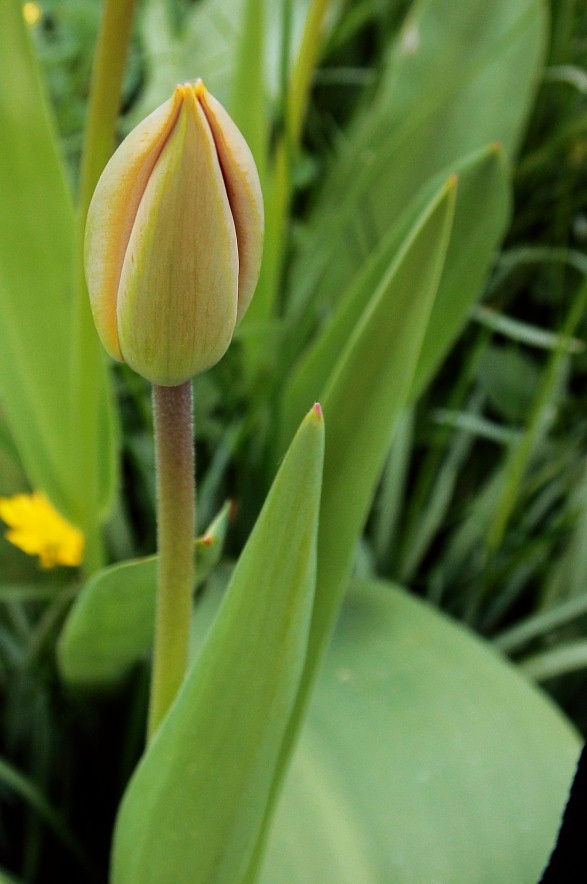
{"type": "Point", "coordinates": [425, 757]}
{"type": "Point", "coordinates": [36, 254]}
{"type": "Point", "coordinates": [195, 804]}
{"type": "Point", "coordinates": [461, 75]}
{"type": "Point", "coordinates": [363, 397]}
{"type": "Point", "coordinates": [111, 624]}
{"type": "Point", "coordinates": [481, 212]}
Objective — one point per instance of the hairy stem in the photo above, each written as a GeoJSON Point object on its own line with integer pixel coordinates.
{"type": "Point", "coordinates": [174, 452]}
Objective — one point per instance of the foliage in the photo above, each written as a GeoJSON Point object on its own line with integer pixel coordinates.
{"type": "Point", "coordinates": [424, 279]}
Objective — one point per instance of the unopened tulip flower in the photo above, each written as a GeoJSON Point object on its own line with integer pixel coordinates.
{"type": "Point", "coordinates": [174, 239]}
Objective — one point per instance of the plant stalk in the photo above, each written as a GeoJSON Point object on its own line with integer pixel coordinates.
{"type": "Point", "coordinates": [176, 494]}
{"type": "Point", "coordinates": [89, 394]}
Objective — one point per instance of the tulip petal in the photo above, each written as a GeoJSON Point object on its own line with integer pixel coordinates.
{"type": "Point", "coordinates": [178, 292]}
{"type": "Point", "coordinates": [244, 193]}
{"type": "Point", "coordinates": [112, 212]}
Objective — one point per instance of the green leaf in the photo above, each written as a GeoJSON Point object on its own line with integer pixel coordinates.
{"type": "Point", "coordinates": [195, 804]}
{"type": "Point", "coordinates": [39, 390]}
{"type": "Point", "coordinates": [425, 757]}
{"type": "Point", "coordinates": [36, 251]}
{"type": "Point", "coordinates": [481, 218]}
{"type": "Point", "coordinates": [461, 75]}
{"type": "Point", "coordinates": [362, 399]}
{"type": "Point", "coordinates": [366, 392]}
{"type": "Point", "coordinates": [481, 213]}
{"type": "Point", "coordinates": [111, 624]}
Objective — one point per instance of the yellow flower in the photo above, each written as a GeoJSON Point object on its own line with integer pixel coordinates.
{"type": "Point", "coordinates": [32, 14]}
{"type": "Point", "coordinates": [38, 529]}
{"type": "Point", "coordinates": [174, 239]}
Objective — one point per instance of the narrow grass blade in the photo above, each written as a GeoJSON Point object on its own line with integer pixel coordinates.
{"type": "Point", "coordinates": [12, 779]}
{"type": "Point", "coordinates": [568, 657]}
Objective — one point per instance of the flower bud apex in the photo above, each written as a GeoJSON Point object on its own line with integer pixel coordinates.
{"type": "Point", "coordinates": [174, 238]}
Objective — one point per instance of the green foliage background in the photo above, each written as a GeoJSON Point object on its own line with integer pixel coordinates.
{"type": "Point", "coordinates": [452, 325]}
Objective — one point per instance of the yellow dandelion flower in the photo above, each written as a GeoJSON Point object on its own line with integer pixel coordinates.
{"type": "Point", "coordinates": [32, 13]}
{"type": "Point", "coordinates": [38, 529]}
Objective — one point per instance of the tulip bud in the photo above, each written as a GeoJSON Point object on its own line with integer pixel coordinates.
{"type": "Point", "coordinates": [174, 239]}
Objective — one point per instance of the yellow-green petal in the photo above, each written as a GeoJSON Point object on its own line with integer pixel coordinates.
{"type": "Point", "coordinates": [177, 295]}
{"type": "Point", "coordinates": [112, 213]}
{"type": "Point", "coordinates": [244, 194]}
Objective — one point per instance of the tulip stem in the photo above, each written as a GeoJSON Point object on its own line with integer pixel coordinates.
{"type": "Point", "coordinates": [174, 456]}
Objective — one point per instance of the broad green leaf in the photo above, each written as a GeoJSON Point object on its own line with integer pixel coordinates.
{"type": "Point", "coordinates": [364, 395]}
{"type": "Point", "coordinates": [40, 392]}
{"type": "Point", "coordinates": [111, 624]}
{"type": "Point", "coordinates": [195, 804]}
{"type": "Point", "coordinates": [462, 74]}
{"type": "Point", "coordinates": [481, 213]}
{"type": "Point", "coordinates": [36, 242]}
{"type": "Point", "coordinates": [362, 399]}
{"type": "Point", "coordinates": [425, 757]}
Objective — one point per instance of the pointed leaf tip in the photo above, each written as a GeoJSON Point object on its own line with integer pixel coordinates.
{"type": "Point", "coordinates": [317, 409]}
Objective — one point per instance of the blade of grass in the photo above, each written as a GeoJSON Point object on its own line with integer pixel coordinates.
{"type": "Point", "coordinates": [28, 791]}
{"type": "Point", "coordinates": [520, 454]}
{"type": "Point", "coordinates": [540, 625]}
{"type": "Point", "coordinates": [91, 413]}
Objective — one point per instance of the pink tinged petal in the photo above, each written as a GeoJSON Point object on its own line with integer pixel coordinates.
{"type": "Point", "coordinates": [112, 213]}
{"type": "Point", "coordinates": [178, 288]}
{"type": "Point", "coordinates": [244, 193]}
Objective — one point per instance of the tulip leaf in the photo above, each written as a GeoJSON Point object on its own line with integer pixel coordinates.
{"type": "Point", "coordinates": [194, 806]}
{"type": "Point", "coordinates": [37, 237]}
{"type": "Point", "coordinates": [111, 624]}
{"type": "Point", "coordinates": [481, 218]}
{"type": "Point", "coordinates": [425, 757]}
{"type": "Point", "coordinates": [362, 400]}
{"type": "Point", "coordinates": [36, 240]}
{"type": "Point", "coordinates": [481, 212]}
{"type": "Point", "coordinates": [483, 60]}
